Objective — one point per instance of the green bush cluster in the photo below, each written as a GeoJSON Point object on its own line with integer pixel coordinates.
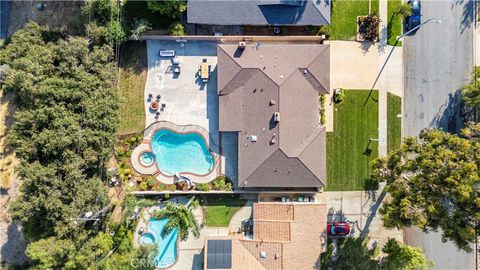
{"type": "Point", "coordinates": [321, 109]}
{"type": "Point", "coordinates": [203, 187]}
{"type": "Point", "coordinates": [339, 96]}
{"type": "Point", "coordinates": [221, 183]}
{"type": "Point", "coordinates": [177, 29]}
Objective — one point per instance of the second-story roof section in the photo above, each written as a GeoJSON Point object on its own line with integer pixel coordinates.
{"type": "Point", "coordinates": [259, 12]}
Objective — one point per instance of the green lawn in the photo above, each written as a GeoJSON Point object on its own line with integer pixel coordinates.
{"type": "Point", "coordinates": [349, 151]}
{"type": "Point", "coordinates": [219, 209]}
{"type": "Point", "coordinates": [394, 25]}
{"type": "Point", "coordinates": [343, 22]}
{"type": "Point", "coordinates": [394, 132]}
{"type": "Point", "coordinates": [133, 75]}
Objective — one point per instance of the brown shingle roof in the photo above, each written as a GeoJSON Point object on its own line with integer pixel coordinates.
{"type": "Point", "coordinates": [259, 81]}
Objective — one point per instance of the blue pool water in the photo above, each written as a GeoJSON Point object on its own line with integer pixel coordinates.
{"type": "Point", "coordinates": [166, 247]}
{"type": "Point", "coordinates": [147, 158]}
{"type": "Point", "coordinates": [176, 152]}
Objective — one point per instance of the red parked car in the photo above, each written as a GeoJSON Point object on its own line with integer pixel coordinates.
{"type": "Point", "coordinates": [338, 228]}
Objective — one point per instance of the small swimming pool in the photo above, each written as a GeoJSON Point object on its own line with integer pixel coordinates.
{"type": "Point", "coordinates": [166, 247]}
{"type": "Point", "coordinates": [147, 159]}
{"type": "Point", "coordinates": [181, 152]}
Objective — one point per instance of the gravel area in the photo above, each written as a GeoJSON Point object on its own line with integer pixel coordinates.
{"type": "Point", "coordinates": [12, 244]}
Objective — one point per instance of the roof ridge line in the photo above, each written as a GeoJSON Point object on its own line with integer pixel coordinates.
{"type": "Point", "coordinates": [306, 146]}
{"type": "Point", "coordinates": [311, 63]}
{"type": "Point", "coordinates": [219, 46]}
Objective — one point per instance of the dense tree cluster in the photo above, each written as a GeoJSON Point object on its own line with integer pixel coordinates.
{"type": "Point", "coordinates": [170, 8]}
{"type": "Point", "coordinates": [64, 131]}
{"type": "Point", "coordinates": [433, 181]}
{"type": "Point", "coordinates": [471, 91]}
{"type": "Point", "coordinates": [357, 253]}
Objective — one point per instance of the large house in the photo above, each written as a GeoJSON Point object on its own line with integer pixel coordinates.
{"type": "Point", "coordinates": [285, 236]}
{"type": "Point", "coordinates": [259, 12]}
{"type": "Point", "coordinates": [269, 95]}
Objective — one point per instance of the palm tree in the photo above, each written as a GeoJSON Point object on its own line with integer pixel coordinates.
{"type": "Point", "coordinates": [404, 10]}
{"type": "Point", "coordinates": [179, 216]}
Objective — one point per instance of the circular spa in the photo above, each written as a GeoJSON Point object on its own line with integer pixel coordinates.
{"type": "Point", "coordinates": [147, 239]}
{"type": "Point", "coordinates": [181, 152]}
{"type": "Point", "coordinates": [147, 158]}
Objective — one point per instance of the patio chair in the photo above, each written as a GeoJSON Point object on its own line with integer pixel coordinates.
{"type": "Point", "coordinates": [158, 97]}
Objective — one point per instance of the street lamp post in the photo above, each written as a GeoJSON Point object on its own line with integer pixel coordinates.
{"type": "Point", "coordinates": [394, 45]}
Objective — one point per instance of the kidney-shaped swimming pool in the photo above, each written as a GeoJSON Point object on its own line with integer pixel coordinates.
{"type": "Point", "coordinates": [181, 152]}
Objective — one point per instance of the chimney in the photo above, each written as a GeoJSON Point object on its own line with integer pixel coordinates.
{"type": "Point", "coordinates": [241, 45]}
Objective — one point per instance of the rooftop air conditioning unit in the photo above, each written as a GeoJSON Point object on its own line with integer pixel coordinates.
{"type": "Point", "coordinates": [241, 45]}
{"type": "Point", "coordinates": [253, 138]}
{"type": "Point", "coordinates": [276, 117]}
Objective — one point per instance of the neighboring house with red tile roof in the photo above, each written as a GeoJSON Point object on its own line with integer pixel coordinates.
{"type": "Point", "coordinates": [288, 236]}
{"type": "Point", "coordinates": [269, 95]}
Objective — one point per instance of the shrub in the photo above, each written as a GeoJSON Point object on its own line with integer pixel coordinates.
{"type": "Point", "coordinates": [324, 30]}
{"type": "Point", "coordinates": [115, 32]}
{"type": "Point", "coordinates": [172, 187]}
{"type": "Point", "coordinates": [143, 186]}
{"type": "Point", "coordinates": [150, 181]}
{"type": "Point", "coordinates": [122, 153]}
{"type": "Point", "coordinates": [321, 109]}
{"type": "Point", "coordinates": [221, 183]}
{"type": "Point", "coordinates": [160, 187]}
{"type": "Point", "coordinates": [195, 204]}
{"type": "Point", "coordinates": [339, 96]}
{"type": "Point", "coordinates": [139, 26]}
{"type": "Point", "coordinates": [134, 140]}
{"type": "Point", "coordinates": [202, 187]}
{"type": "Point", "coordinates": [169, 8]}
{"type": "Point", "coordinates": [177, 29]}
{"type": "Point", "coordinates": [368, 26]}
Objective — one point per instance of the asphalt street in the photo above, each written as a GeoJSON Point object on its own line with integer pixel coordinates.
{"type": "Point", "coordinates": [3, 19]}
{"type": "Point", "coordinates": [438, 61]}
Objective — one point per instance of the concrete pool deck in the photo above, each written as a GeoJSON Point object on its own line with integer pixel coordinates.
{"type": "Point", "coordinates": [186, 98]}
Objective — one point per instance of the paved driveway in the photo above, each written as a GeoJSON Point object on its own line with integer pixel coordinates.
{"type": "Point", "coordinates": [360, 208]}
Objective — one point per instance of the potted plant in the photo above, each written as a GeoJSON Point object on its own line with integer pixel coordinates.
{"type": "Point", "coordinates": [154, 106]}
{"type": "Point", "coordinates": [367, 27]}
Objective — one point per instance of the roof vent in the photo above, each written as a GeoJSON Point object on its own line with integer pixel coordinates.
{"type": "Point", "coordinates": [281, 76]}
{"type": "Point", "coordinates": [305, 71]}
{"type": "Point", "coordinates": [276, 117]}
{"type": "Point", "coordinates": [253, 138]}
{"type": "Point", "coordinates": [263, 254]}
{"type": "Point", "coordinates": [277, 255]}
{"type": "Point", "coordinates": [272, 102]}
{"type": "Point", "coordinates": [273, 141]}
{"type": "Point", "coordinates": [241, 45]}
